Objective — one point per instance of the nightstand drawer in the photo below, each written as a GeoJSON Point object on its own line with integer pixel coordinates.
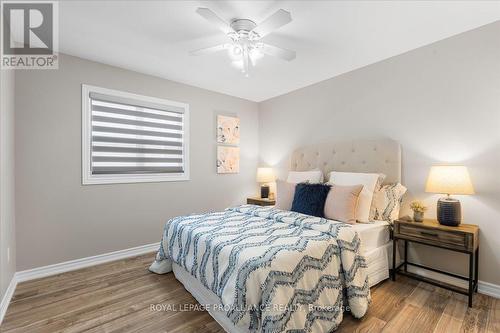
{"type": "Point", "coordinates": [433, 235]}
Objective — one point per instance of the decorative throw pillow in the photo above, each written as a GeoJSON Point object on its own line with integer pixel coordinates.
{"type": "Point", "coordinates": [380, 181]}
{"type": "Point", "coordinates": [310, 199]}
{"type": "Point", "coordinates": [312, 176]}
{"type": "Point", "coordinates": [284, 194]}
{"type": "Point", "coordinates": [388, 202]}
{"type": "Point", "coordinates": [369, 182]}
{"type": "Point", "coordinates": [341, 202]}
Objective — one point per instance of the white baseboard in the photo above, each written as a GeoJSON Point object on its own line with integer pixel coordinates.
{"type": "Point", "coordinates": [67, 266]}
{"type": "Point", "coordinates": [486, 288]}
{"type": "Point", "coordinates": [7, 297]}
{"type": "Point", "coordinates": [489, 289]}
{"type": "Point", "coordinates": [72, 265]}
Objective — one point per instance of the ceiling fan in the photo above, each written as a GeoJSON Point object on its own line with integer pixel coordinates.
{"type": "Point", "coordinates": [245, 46]}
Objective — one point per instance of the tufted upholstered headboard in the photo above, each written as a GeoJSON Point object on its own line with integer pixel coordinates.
{"type": "Point", "coordinates": [383, 156]}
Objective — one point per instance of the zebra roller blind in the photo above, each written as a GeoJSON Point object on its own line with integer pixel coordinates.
{"type": "Point", "coordinates": [135, 137]}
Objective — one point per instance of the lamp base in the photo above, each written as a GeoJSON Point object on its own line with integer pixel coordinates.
{"type": "Point", "coordinates": [264, 191]}
{"type": "Point", "coordinates": [449, 212]}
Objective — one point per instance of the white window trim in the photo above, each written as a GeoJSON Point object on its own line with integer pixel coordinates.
{"type": "Point", "coordinates": [88, 178]}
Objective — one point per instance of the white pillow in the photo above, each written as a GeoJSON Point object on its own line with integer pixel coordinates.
{"type": "Point", "coordinates": [369, 182]}
{"type": "Point", "coordinates": [387, 202]}
{"type": "Point", "coordinates": [313, 176]}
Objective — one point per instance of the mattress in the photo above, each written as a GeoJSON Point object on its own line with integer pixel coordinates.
{"type": "Point", "coordinates": [372, 235]}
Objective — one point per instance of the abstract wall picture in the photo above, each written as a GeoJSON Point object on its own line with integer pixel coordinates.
{"type": "Point", "coordinates": [228, 159]}
{"type": "Point", "coordinates": [228, 130]}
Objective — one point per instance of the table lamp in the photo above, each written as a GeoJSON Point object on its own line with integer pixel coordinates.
{"type": "Point", "coordinates": [449, 180]}
{"type": "Point", "coordinates": [264, 176]}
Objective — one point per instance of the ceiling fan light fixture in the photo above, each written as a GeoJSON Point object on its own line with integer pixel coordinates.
{"type": "Point", "coordinates": [246, 48]}
{"type": "Point", "coordinates": [235, 51]}
{"type": "Point", "coordinates": [255, 54]}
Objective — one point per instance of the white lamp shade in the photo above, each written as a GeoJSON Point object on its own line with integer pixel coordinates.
{"type": "Point", "coordinates": [265, 175]}
{"type": "Point", "coordinates": [449, 179]}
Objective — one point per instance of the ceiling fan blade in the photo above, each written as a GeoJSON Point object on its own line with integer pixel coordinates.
{"type": "Point", "coordinates": [273, 22]}
{"type": "Point", "coordinates": [278, 52]}
{"type": "Point", "coordinates": [211, 17]}
{"type": "Point", "coordinates": [209, 50]}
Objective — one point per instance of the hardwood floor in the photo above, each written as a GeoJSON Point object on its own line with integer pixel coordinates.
{"type": "Point", "coordinates": [116, 297]}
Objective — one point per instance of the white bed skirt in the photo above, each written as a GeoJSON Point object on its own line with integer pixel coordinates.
{"type": "Point", "coordinates": [378, 270]}
{"type": "Point", "coordinates": [206, 298]}
{"type": "Point", "coordinates": [378, 263]}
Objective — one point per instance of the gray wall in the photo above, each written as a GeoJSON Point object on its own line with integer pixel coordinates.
{"type": "Point", "coordinates": [58, 218]}
{"type": "Point", "coordinates": [7, 208]}
{"type": "Point", "coordinates": [442, 102]}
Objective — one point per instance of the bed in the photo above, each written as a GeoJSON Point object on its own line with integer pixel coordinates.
{"type": "Point", "coordinates": [262, 269]}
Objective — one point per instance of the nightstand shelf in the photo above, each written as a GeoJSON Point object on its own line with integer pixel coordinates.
{"type": "Point", "coordinates": [463, 238]}
{"type": "Point", "coordinates": [261, 201]}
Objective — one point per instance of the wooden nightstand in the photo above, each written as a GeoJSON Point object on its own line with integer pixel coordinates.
{"type": "Point", "coordinates": [464, 239]}
{"type": "Point", "coordinates": [261, 201]}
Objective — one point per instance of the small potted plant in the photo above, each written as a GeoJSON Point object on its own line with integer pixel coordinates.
{"type": "Point", "coordinates": [418, 211]}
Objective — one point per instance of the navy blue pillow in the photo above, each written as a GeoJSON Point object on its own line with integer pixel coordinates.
{"type": "Point", "coordinates": [310, 199]}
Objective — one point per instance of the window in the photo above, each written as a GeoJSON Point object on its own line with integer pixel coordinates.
{"type": "Point", "coordinates": [129, 138]}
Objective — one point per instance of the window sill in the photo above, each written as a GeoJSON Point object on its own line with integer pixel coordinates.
{"type": "Point", "coordinates": [130, 179]}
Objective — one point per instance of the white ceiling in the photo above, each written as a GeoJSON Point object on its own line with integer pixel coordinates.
{"type": "Point", "coordinates": [330, 37]}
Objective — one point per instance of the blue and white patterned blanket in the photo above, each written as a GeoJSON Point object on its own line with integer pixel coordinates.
{"type": "Point", "coordinates": [273, 270]}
